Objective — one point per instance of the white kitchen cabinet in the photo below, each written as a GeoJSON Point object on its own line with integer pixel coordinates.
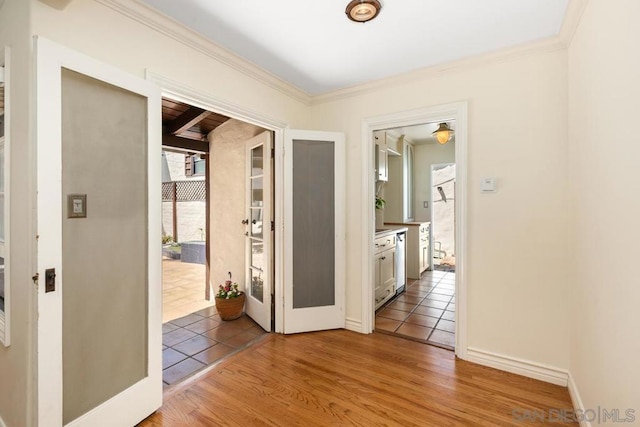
{"type": "Point", "coordinates": [385, 269]}
{"type": "Point", "coordinates": [417, 249]}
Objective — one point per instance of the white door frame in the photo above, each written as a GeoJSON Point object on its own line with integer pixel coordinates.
{"type": "Point", "coordinates": [199, 98]}
{"type": "Point", "coordinates": [431, 247]}
{"type": "Point", "coordinates": [454, 111]}
{"type": "Point", "coordinates": [50, 59]}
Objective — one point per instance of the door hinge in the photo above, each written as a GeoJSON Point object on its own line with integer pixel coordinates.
{"type": "Point", "coordinates": [273, 153]}
{"type": "Point", "coordinates": [273, 225]}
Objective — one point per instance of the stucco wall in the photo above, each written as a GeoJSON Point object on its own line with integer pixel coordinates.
{"type": "Point", "coordinates": [227, 176]}
{"type": "Point", "coordinates": [604, 178]}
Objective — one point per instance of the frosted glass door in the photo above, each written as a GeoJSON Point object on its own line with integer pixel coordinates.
{"type": "Point", "coordinates": [314, 231]}
{"type": "Point", "coordinates": [99, 325]}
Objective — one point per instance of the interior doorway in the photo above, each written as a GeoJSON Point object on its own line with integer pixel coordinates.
{"type": "Point", "coordinates": [415, 225]}
{"type": "Point", "coordinates": [204, 228]}
{"type": "Point", "coordinates": [431, 306]}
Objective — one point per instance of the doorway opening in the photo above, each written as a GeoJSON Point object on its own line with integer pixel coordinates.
{"type": "Point", "coordinates": [438, 296]}
{"type": "Point", "coordinates": [207, 219]}
{"type": "Point", "coordinates": [415, 227]}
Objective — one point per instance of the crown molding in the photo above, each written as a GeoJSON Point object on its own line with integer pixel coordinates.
{"type": "Point", "coordinates": [146, 15]}
{"type": "Point", "coordinates": [572, 19]}
{"type": "Point", "coordinates": [573, 14]}
{"type": "Point", "coordinates": [163, 24]}
{"type": "Point", "coordinates": [503, 55]}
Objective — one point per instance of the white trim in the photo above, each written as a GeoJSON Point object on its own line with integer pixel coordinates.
{"type": "Point", "coordinates": [278, 220]}
{"type": "Point", "coordinates": [5, 315]}
{"type": "Point", "coordinates": [192, 96]}
{"type": "Point", "coordinates": [142, 398]}
{"type": "Point", "coordinates": [518, 366]}
{"type": "Point", "coordinates": [547, 45]}
{"type": "Point", "coordinates": [572, 19]}
{"type": "Point", "coordinates": [576, 400]}
{"type": "Point", "coordinates": [2, 423]}
{"type": "Point", "coordinates": [157, 21]}
{"type": "Point", "coordinates": [354, 325]}
{"type": "Point", "coordinates": [454, 111]}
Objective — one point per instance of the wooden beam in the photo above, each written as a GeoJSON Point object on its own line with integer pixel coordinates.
{"type": "Point", "coordinates": [186, 120]}
{"type": "Point", "coordinates": [184, 144]}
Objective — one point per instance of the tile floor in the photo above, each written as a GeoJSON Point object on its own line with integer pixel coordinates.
{"type": "Point", "coordinates": [200, 339]}
{"type": "Point", "coordinates": [424, 312]}
{"type": "Point", "coordinates": [182, 289]}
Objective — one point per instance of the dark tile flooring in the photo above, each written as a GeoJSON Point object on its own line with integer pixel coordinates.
{"type": "Point", "coordinates": [424, 312]}
{"type": "Point", "coordinates": [197, 340]}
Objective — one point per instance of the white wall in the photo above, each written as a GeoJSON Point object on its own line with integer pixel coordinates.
{"type": "Point", "coordinates": [604, 165]}
{"type": "Point", "coordinates": [425, 156]}
{"type": "Point", "coordinates": [192, 219]}
{"type": "Point", "coordinates": [99, 31]}
{"type": "Point", "coordinates": [516, 237]}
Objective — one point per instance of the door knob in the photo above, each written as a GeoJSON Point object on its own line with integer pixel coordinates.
{"type": "Point", "coordinates": [245, 221]}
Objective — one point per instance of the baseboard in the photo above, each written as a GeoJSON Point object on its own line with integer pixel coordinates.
{"type": "Point", "coordinates": [353, 325]}
{"type": "Point", "coordinates": [576, 401]}
{"type": "Point", "coordinates": [518, 366]}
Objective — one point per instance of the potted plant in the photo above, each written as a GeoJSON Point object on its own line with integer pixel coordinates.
{"type": "Point", "coordinates": [229, 300]}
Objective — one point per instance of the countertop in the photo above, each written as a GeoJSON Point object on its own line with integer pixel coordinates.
{"type": "Point", "coordinates": [390, 229]}
{"type": "Point", "coordinates": [391, 224]}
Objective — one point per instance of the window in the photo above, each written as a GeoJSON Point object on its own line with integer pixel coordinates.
{"type": "Point", "coordinates": [194, 165]}
{"type": "Point", "coordinates": [4, 199]}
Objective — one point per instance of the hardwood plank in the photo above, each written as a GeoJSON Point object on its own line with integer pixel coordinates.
{"type": "Point", "coordinates": [344, 378]}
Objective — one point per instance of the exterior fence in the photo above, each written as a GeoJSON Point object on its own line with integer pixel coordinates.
{"type": "Point", "coordinates": [189, 216]}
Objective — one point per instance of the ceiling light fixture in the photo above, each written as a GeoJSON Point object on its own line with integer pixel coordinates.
{"type": "Point", "coordinates": [443, 133]}
{"type": "Point", "coordinates": [363, 10]}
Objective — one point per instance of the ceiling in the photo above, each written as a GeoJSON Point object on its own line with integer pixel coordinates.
{"type": "Point", "coordinates": [312, 44]}
{"type": "Point", "coordinates": [423, 134]}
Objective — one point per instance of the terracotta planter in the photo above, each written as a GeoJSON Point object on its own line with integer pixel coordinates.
{"type": "Point", "coordinates": [230, 309]}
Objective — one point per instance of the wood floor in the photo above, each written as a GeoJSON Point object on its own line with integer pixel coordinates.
{"type": "Point", "coordinates": [345, 378]}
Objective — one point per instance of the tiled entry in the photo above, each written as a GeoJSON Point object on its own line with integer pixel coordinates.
{"type": "Point", "coordinates": [197, 340]}
{"type": "Point", "coordinates": [424, 312]}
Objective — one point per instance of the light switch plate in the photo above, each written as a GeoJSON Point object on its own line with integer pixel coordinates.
{"type": "Point", "coordinates": [76, 206]}
{"type": "Point", "coordinates": [488, 185]}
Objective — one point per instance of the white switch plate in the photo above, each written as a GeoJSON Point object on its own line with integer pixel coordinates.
{"type": "Point", "coordinates": [488, 185]}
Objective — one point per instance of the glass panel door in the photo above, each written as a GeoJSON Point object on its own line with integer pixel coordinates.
{"type": "Point", "coordinates": [258, 229]}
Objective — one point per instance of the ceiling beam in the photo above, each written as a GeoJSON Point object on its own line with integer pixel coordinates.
{"type": "Point", "coordinates": [186, 120]}
{"type": "Point", "coordinates": [184, 144]}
